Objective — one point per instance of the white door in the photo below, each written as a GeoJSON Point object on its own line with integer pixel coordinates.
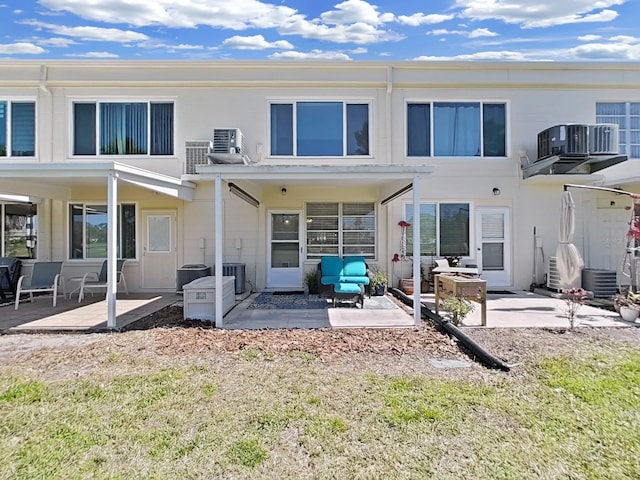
{"type": "Point", "coordinates": [159, 260]}
{"type": "Point", "coordinates": [494, 245]}
{"type": "Point", "coordinates": [607, 244]}
{"type": "Point", "coordinates": [284, 258]}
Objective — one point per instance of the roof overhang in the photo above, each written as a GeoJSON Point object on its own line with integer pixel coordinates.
{"type": "Point", "coordinates": [56, 179]}
{"type": "Point", "coordinates": [387, 178]}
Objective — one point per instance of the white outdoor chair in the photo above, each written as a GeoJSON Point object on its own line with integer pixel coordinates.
{"type": "Point", "coordinates": [45, 277]}
{"type": "Point", "coordinates": [93, 280]}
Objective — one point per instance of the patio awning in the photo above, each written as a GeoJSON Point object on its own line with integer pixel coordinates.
{"type": "Point", "coordinates": [56, 180]}
{"type": "Point", "coordinates": [389, 179]}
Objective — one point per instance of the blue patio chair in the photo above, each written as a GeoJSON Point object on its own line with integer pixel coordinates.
{"type": "Point", "coordinates": [92, 280]}
{"type": "Point", "coordinates": [45, 277]}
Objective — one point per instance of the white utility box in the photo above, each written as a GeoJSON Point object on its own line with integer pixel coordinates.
{"type": "Point", "coordinates": [199, 297]}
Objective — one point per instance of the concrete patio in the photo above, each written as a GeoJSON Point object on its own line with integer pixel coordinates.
{"type": "Point", "coordinates": [88, 316]}
{"type": "Point", "coordinates": [519, 309]}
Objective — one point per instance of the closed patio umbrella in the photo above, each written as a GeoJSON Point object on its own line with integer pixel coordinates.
{"type": "Point", "coordinates": [568, 259]}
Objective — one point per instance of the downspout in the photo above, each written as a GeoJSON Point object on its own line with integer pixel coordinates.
{"type": "Point", "coordinates": [42, 84]}
{"type": "Point", "coordinates": [476, 350]}
{"type": "Point", "coordinates": [388, 112]}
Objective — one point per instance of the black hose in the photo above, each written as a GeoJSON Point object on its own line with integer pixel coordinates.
{"type": "Point", "coordinates": [477, 350]}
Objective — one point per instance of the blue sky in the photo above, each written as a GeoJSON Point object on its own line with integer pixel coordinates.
{"type": "Point", "coordinates": [501, 30]}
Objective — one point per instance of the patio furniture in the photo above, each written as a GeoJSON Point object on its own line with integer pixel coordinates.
{"type": "Point", "coordinates": [343, 277]}
{"type": "Point", "coordinates": [93, 280]}
{"type": "Point", "coordinates": [10, 268]}
{"type": "Point", "coordinates": [472, 289]}
{"type": "Point", "coordinates": [45, 277]}
{"type": "Point", "coordinates": [348, 292]}
{"type": "Point", "coordinates": [442, 266]}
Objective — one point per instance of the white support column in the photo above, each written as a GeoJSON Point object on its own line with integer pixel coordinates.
{"type": "Point", "coordinates": [112, 247]}
{"type": "Point", "coordinates": [417, 314]}
{"type": "Point", "coordinates": [218, 245]}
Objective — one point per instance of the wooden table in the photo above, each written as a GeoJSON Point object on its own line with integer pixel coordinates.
{"type": "Point", "coordinates": [473, 289]}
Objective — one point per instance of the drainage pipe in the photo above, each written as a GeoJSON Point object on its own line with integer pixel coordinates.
{"type": "Point", "coordinates": [477, 350]}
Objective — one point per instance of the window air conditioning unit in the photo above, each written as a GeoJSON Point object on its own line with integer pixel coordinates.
{"type": "Point", "coordinates": [229, 147]}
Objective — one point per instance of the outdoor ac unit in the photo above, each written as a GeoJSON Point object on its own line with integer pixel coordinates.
{"type": "Point", "coordinates": [603, 139]}
{"type": "Point", "coordinates": [563, 140]}
{"type": "Point", "coordinates": [196, 154]}
{"type": "Point", "coordinates": [229, 141]}
{"type": "Point", "coordinates": [553, 277]}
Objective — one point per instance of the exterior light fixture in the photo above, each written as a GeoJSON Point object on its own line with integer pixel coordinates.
{"type": "Point", "coordinates": [283, 190]}
{"type": "Point", "coordinates": [496, 191]}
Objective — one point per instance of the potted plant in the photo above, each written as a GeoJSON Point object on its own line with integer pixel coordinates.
{"type": "Point", "coordinates": [457, 307]}
{"type": "Point", "coordinates": [311, 281]}
{"type": "Point", "coordinates": [379, 281]}
{"type": "Point", "coordinates": [629, 307]}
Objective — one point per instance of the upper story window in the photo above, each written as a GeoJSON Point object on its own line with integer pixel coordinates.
{"type": "Point", "coordinates": [627, 116]}
{"type": "Point", "coordinates": [19, 227]}
{"type": "Point", "coordinates": [319, 129]}
{"type": "Point", "coordinates": [123, 128]}
{"type": "Point", "coordinates": [17, 128]}
{"type": "Point", "coordinates": [456, 129]}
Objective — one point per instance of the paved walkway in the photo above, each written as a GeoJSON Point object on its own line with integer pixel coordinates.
{"type": "Point", "coordinates": [517, 310]}
{"type": "Point", "coordinates": [522, 309]}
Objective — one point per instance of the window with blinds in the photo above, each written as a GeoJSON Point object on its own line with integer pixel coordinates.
{"type": "Point", "coordinates": [123, 128]}
{"type": "Point", "coordinates": [17, 129]}
{"type": "Point", "coordinates": [627, 116]}
{"type": "Point", "coordinates": [444, 229]}
{"type": "Point", "coordinates": [341, 229]}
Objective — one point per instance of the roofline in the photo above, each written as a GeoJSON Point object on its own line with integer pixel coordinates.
{"type": "Point", "coordinates": [287, 64]}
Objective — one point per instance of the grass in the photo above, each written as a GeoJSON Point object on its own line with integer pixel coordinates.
{"type": "Point", "coordinates": [573, 417]}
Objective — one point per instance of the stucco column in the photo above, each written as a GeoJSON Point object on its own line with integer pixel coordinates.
{"type": "Point", "coordinates": [219, 311]}
{"type": "Point", "coordinates": [416, 251]}
{"type": "Point", "coordinates": [112, 247]}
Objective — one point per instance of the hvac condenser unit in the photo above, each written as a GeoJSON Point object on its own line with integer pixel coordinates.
{"type": "Point", "coordinates": [603, 139]}
{"type": "Point", "coordinates": [229, 147]}
{"type": "Point", "coordinates": [563, 140]}
{"type": "Point", "coordinates": [228, 140]}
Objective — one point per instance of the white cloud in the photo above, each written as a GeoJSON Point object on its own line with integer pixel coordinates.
{"type": "Point", "coordinates": [94, 55]}
{"type": "Point", "coordinates": [17, 12]}
{"type": "Point", "coordinates": [358, 51]}
{"type": "Point", "coordinates": [477, 33]}
{"type": "Point", "coordinates": [497, 56]}
{"type": "Point", "coordinates": [482, 32]}
{"type": "Point", "coordinates": [624, 39]}
{"type": "Point", "coordinates": [56, 42]}
{"type": "Point", "coordinates": [589, 38]}
{"type": "Point", "coordinates": [21, 48]}
{"type": "Point", "coordinates": [312, 55]}
{"type": "Point", "coordinates": [543, 13]}
{"type": "Point", "coordinates": [355, 11]}
{"type": "Point", "coordinates": [606, 51]}
{"type": "Point", "coordinates": [418, 19]}
{"type": "Point", "coordinates": [352, 21]}
{"type": "Point", "coordinates": [90, 33]}
{"type": "Point", "coordinates": [255, 42]}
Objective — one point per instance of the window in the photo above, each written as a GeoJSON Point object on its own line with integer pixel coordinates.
{"type": "Point", "coordinates": [456, 129]}
{"type": "Point", "coordinates": [627, 116]}
{"type": "Point", "coordinates": [19, 230]}
{"type": "Point", "coordinates": [123, 128]}
{"type": "Point", "coordinates": [341, 229]}
{"type": "Point", "coordinates": [444, 229]}
{"type": "Point", "coordinates": [88, 231]}
{"type": "Point", "coordinates": [17, 129]}
{"type": "Point", "coordinates": [319, 129]}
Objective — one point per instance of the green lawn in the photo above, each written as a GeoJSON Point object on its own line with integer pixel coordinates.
{"type": "Point", "coordinates": [293, 416]}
